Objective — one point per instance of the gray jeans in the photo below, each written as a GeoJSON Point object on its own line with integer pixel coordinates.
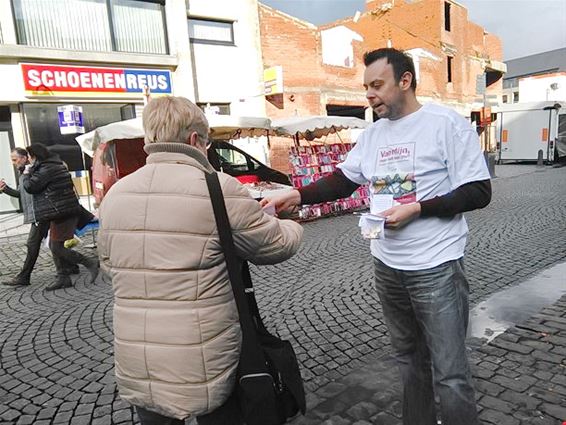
{"type": "Point", "coordinates": [426, 312]}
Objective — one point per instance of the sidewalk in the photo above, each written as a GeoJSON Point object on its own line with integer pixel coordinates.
{"type": "Point", "coordinates": [520, 376]}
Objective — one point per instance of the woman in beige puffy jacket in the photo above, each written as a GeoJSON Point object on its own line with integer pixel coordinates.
{"type": "Point", "coordinates": [176, 329]}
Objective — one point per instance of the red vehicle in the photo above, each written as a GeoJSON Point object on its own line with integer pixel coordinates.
{"type": "Point", "coordinates": [117, 151]}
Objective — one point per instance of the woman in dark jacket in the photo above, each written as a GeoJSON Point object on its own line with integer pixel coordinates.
{"type": "Point", "coordinates": [55, 200]}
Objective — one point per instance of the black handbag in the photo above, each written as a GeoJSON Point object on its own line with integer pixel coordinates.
{"type": "Point", "coordinates": [269, 385]}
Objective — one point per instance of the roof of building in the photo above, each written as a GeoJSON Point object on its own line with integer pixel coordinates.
{"type": "Point", "coordinates": [541, 63]}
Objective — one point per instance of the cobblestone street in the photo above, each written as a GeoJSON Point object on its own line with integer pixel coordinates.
{"type": "Point", "coordinates": [56, 348]}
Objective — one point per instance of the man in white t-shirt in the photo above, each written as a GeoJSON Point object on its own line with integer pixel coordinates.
{"type": "Point", "coordinates": [424, 167]}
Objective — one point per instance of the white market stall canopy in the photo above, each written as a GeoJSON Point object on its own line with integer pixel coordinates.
{"type": "Point", "coordinates": [314, 127]}
{"type": "Point", "coordinates": [222, 127]}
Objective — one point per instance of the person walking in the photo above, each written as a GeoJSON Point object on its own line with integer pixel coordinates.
{"type": "Point", "coordinates": [424, 167]}
{"type": "Point", "coordinates": [55, 201]}
{"type": "Point", "coordinates": [176, 329]}
{"type": "Point", "coordinates": [38, 229]}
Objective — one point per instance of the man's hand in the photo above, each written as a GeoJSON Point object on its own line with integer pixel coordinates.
{"type": "Point", "coordinates": [284, 202]}
{"type": "Point", "coordinates": [398, 216]}
{"type": "Point", "coordinates": [2, 185]}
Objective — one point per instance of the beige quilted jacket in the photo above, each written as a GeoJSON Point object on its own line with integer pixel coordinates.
{"type": "Point", "coordinates": [176, 330]}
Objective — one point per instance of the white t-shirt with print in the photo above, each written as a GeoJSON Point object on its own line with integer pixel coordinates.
{"type": "Point", "coordinates": [423, 155]}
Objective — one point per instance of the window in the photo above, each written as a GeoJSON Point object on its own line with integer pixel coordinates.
{"type": "Point", "coordinates": [212, 32]}
{"type": "Point", "coordinates": [346, 111]}
{"type": "Point", "coordinates": [510, 83]}
{"type": "Point", "coordinates": [139, 26]}
{"type": "Point", "coordinates": [449, 68]}
{"type": "Point", "coordinates": [136, 26]}
{"type": "Point", "coordinates": [504, 98]}
{"type": "Point", "coordinates": [43, 127]}
{"type": "Point", "coordinates": [215, 108]}
{"type": "Point", "coordinates": [447, 16]}
{"type": "Point", "coordinates": [515, 96]}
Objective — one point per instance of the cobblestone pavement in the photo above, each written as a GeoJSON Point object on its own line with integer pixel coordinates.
{"type": "Point", "coordinates": [519, 379]}
{"type": "Point", "coordinates": [56, 348]}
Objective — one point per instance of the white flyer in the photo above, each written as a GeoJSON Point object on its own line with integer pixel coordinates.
{"type": "Point", "coordinates": [380, 203]}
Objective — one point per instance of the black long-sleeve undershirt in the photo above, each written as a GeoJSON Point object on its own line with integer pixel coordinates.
{"type": "Point", "coordinates": [468, 197]}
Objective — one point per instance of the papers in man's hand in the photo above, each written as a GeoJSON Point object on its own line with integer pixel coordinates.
{"type": "Point", "coordinates": [372, 226]}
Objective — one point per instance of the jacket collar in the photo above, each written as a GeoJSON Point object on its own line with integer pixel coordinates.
{"type": "Point", "coordinates": [176, 153]}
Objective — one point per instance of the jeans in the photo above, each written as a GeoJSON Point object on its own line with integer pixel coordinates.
{"type": "Point", "coordinates": [37, 232]}
{"type": "Point", "coordinates": [227, 414]}
{"type": "Point", "coordinates": [426, 312]}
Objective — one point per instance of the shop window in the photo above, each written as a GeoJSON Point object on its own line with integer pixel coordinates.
{"type": "Point", "coordinates": [515, 97]}
{"type": "Point", "coordinates": [136, 26]}
{"type": "Point", "coordinates": [449, 68]}
{"type": "Point", "coordinates": [447, 16]}
{"type": "Point", "coordinates": [211, 31]}
{"type": "Point", "coordinates": [43, 127]}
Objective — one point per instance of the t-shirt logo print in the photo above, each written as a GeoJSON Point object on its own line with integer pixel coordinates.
{"type": "Point", "coordinates": [403, 187]}
{"type": "Point", "coordinates": [397, 163]}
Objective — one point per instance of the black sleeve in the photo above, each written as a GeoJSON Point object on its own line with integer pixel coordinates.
{"type": "Point", "coordinates": [37, 179]}
{"type": "Point", "coordinates": [329, 188]}
{"type": "Point", "coordinates": [11, 192]}
{"type": "Point", "coordinates": [468, 197]}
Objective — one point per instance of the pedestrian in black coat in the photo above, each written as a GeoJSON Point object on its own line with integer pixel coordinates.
{"type": "Point", "coordinates": [55, 200]}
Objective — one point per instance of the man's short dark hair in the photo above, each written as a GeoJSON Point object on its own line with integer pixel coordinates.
{"type": "Point", "coordinates": [399, 60]}
{"type": "Point", "coordinates": [38, 151]}
{"type": "Point", "coordinates": [20, 151]}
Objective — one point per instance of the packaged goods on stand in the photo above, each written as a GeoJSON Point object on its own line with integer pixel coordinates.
{"type": "Point", "coordinates": [310, 163]}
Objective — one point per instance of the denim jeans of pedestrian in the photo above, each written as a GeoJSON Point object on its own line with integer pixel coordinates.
{"type": "Point", "coordinates": [426, 312]}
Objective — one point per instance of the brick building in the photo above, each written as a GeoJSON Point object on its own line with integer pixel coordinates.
{"type": "Point", "coordinates": [322, 68]}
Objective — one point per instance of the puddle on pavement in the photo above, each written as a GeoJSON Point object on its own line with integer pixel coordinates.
{"type": "Point", "coordinates": [515, 305]}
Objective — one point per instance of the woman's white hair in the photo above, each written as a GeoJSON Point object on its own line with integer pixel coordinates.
{"type": "Point", "coordinates": [172, 119]}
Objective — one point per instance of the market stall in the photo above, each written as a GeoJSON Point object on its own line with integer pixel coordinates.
{"type": "Point", "coordinates": [117, 150]}
{"type": "Point", "coordinates": [314, 159]}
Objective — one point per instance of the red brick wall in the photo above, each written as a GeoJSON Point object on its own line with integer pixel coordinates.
{"type": "Point", "coordinates": [309, 84]}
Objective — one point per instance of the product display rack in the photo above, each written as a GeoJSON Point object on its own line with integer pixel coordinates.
{"type": "Point", "coordinates": [310, 163]}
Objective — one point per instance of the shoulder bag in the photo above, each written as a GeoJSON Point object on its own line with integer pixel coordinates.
{"type": "Point", "coordinates": [269, 386]}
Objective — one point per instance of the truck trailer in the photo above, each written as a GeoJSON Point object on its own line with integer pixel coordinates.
{"type": "Point", "coordinates": [522, 129]}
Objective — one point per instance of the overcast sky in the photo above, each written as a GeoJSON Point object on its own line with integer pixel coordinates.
{"type": "Point", "coordinates": [525, 27]}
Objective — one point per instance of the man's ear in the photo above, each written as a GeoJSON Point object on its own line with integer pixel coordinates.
{"type": "Point", "coordinates": [406, 80]}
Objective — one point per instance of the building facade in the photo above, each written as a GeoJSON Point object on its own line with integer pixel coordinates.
{"type": "Point", "coordinates": [89, 62]}
{"type": "Point", "coordinates": [457, 62]}
{"type": "Point", "coordinates": [536, 78]}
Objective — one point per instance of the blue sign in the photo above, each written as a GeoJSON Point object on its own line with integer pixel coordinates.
{"type": "Point", "coordinates": [70, 119]}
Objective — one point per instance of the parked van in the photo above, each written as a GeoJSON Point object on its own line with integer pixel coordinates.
{"type": "Point", "coordinates": [117, 150]}
{"type": "Point", "coordinates": [522, 129]}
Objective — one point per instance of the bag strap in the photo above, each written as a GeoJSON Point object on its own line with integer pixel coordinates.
{"type": "Point", "coordinates": [250, 343]}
